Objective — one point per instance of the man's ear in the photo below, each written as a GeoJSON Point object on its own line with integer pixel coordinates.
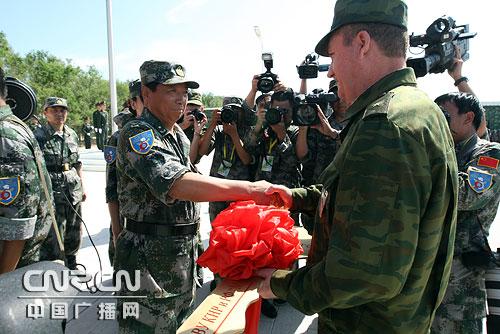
{"type": "Point", "coordinates": [364, 42]}
{"type": "Point", "coordinates": [469, 117]}
{"type": "Point", "coordinates": [145, 91]}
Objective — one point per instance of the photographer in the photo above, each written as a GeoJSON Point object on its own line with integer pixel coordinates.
{"type": "Point", "coordinates": [463, 307]}
{"type": "Point", "coordinates": [192, 122]}
{"type": "Point", "coordinates": [225, 138]}
{"type": "Point", "coordinates": [316, 147]}
{"type": "Point", "coordinates": [24, 209]}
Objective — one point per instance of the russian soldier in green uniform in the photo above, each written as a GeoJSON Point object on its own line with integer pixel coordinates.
{"type": "Point", "coordinates": [59, 144]}
{"type": "Point", "coordinates": [385, 211]}
{"type": "Point", "coordinates": [464, 304]}
{"type": "Point", "coordinates": [24, 209]}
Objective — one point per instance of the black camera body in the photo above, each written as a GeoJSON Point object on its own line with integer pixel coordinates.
{"type": "Point", "coordinates": [20, 98]}
{"type": "Point", "coordinates": [198, 114]}
{"type": "Point", "coordinates": [305, 111]}
{"type": "Point", "coordinates": [311, 67]}
{"type": "Point", "coordinates": [441, 37]}
{"type": "Point", "coordinates": [229, 113]}
{"type": "Point", "coordinates": [267, 80]}
{"type": "Point", "coordinates": [274, 115]}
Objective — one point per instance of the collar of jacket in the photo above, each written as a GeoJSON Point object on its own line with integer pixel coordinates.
{"type": "Point", "coordinates": [157, 124]}
{"type": "Point", "coordinates": [5, 111]}
{"type": "Point", "coordinates": [402, 77]}
{"type": "Point", "coordinates": [50, 130]}
{"type": "Point", "coordinates": [464, 149]}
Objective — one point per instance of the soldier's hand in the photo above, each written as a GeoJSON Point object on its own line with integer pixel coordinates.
{"type": "Point", "coordinates": [280, 129]}
{"type": "Point", "coordinates": [264, 288]}
{"type": "Point", "coordinates": [215, 118]}
{"type": "Point", "coordinates": [230, 128]}
{"type": "Point", "coordinates": [279, 87]}
{"type": "Point", "coordinates": [198, 125]}
{"type": "Point", "coordinates": [324, 126]}
{"type": "Point", "coordinates": [187, 121]}
{"type": "Point", "coordinates": [284, 193]}
{"type": "Point", "coordinates": [255, 80]}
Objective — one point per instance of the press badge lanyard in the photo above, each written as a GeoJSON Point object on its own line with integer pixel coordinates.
{"type": "Point", "coordinates": [225, 153]}
{"type": "Point", "coordinates": [271, 145]}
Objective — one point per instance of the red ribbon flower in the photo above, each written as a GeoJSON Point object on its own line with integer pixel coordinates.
{"type": "Point", "coordinates": [247, 236]}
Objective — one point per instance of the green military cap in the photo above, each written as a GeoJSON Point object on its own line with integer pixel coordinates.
{"type": "Point", "coordinates": [195, 98]}
{"type": "Point", "coordinates": [232, 100]}
{"type": "Point", "coordinates": [134, 88]}
{"type": "Point", "coordinates": [365, 11]}
{"type": "Point", "coordinates": [55, 102]}
{"type": "Point", "coordinates": [165, 72]}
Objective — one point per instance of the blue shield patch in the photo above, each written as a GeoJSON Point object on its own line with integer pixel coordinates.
{"type": "Point", "coordinates": [9, 189]}
{"type": "Point", "coordinates": [109, 154]}
{"type": "Point", "coordinates": [480, 181]}
{"type": "Point", "coordinates": [142, 142]}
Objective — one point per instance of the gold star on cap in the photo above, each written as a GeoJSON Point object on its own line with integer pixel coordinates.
{"type": "Point", "coordinates": [59, 101]}
{"type": "Point", "coordinates": [179, 71]}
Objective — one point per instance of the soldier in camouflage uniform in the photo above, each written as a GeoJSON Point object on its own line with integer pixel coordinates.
{"type": "Point", "coordinates": [24, 209]}
{"type": "Point", "coordinates": [230, 160]}
{"type": "Point", "coordinates": [275, 145]}
{"type": "Point", "coordinates": [189, 124]}
{"type": "Point", "coordinates": [87, 133]}
{"type": "Point", "coordinates": [157, 190]}
{"type": "Point", "coordinates": [464, 304]}
{"type": "Point", "coordinates": [59, 144]}
{"type": "Point", "coordinates": [385, 211]}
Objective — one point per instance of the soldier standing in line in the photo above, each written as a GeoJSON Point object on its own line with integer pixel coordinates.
{"type": "Point", "coordinates": [385, 208]}
{"type": "Point", "coordinates": [87, 133]}
{"type": "Point", "coordinates": [24, 208]}
{"type": "Point", "coordinates": [464, 304]}
{"type": "Point", "coordinates": [59, 144]}
{"type": "Point", "coordinates": [158, 188]}
{"type": "Point", "coordinates": [111, 173]}
{"type": "Point", "coordinates": [100, 121]}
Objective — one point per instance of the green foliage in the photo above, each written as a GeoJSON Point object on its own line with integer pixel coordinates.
{"type": "Point", "coordinates": [212, 101]}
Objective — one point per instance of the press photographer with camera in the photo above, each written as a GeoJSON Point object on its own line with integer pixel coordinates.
{"type": "Point", "coordinates": [24, 209]}
{"type": "Point", "coordinates": [192, 122]}
{"type": "Point", "coordinates": [463, 307]}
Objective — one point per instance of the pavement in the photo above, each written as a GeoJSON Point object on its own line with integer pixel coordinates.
{"type": "Point", "coordinates": [94, 249]}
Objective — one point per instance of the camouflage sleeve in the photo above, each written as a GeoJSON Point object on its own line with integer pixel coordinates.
{"type": "Point", "coordinates": [473, 193]}
{"type": "Point", "coordinates": [375, 214]}
{"type": "Point", "coordinates": [158, 168]}
{"type": "Point", "coordinates": [286, 149]}
{"type": "Point", "coordinates": [19, 190]}
{"type": "Point", "coordinates": [111, 175]}
{"type": "Point", "coordinates": [306, 199]}
{"type": "Point", "coordinates": [252, 140]}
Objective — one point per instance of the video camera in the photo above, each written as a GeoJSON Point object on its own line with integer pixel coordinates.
{"type": "Point", "coordinates": [20, 98]}
{"type": "Point", "coordinates": [311, 67]}
{"type": "Point", "coordinates": [305, 111]}
{"type": "Point", "coordinates": [198, 114]}
{"type": "Point", "coordinates": [267, 80]}
{"type": "Point", "coordinates": [441, 37]}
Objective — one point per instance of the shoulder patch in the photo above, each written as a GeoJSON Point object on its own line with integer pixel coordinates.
{"type": "Point", "coordinates": [379, 106]}
{"type": "Point", "coordinates": [487, 162]}
{"type": "Point", "coordinates": [109, 153]}
{"type": "Point", "coordinates": [142, 142]}
{"type": "Point", "coordinates": [9, 189]}
{"type": "Point", "coordinates": [479, 181]}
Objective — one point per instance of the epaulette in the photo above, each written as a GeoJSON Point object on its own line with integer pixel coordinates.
{"type": "Point", "coordinates": [379, 106]}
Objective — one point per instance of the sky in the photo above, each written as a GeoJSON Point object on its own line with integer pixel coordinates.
{"type": "Point", "coordinates": [216, 42]}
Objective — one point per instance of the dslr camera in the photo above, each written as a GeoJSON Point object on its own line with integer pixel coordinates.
{"type": "Point", "coordinates": [198, 114]}
{"type": "Point", "coordinates": [441, 37]}
{"type": "Point", "coordinates": [267, 80]}
{"type": "Point", "coordinates": [311, 67]}
{"type": "Point", "coordinates": [305, 111]}
{"type": "Point", "coordinates": [274, 115]}
{"type": "Point", "coordinates": [229, 113]}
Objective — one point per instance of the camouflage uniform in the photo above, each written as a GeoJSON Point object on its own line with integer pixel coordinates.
{"type": "Point", "coordinates": [464, 304]}
{"type": "Point", "coordinates": [225, 155]}
{"type": "Point", "coordinates": [26, 217]}
{"type": "Point", "coordinates": [67, 186]}
{"type": "Point", "coordinates": [100, 121]}
{"type": "Point", "coordinates": [87, 135]}
{"type": "Point", "coordinates": [111, 174]}
{"type": "Point", "coordinates": [385, 217]}
{"type": "Point", "coordinates": [146, 173]}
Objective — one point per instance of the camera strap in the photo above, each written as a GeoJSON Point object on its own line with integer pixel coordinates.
{"type": "Point", "coordinates": [225, 153]}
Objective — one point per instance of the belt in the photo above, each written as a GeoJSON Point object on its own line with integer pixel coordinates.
{"type": "Point", "coordinates": [58, 169]}
{"type": "Point", "coordinates": [161, 229]}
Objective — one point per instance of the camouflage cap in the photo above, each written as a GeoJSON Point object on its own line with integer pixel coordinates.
{"type": "Point", "coordinates": [122, 117]}
{"type": "Point", "coordinates": [195, 98]}
{"type": "Point", "coordinates": [365, 11]}
{"type": "Point", "coordinates": [232, 100]}
{"type": "Point", "coordinates": [165, 72]}
{"type": "Point", "coordinates": [55, 102]}
{"type": "Point", "coordinates": [134, 88]}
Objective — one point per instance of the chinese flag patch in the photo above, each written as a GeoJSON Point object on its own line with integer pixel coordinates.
{"type": "Point", "coordinates": [488, 162]}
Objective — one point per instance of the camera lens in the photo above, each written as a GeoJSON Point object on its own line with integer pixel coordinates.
{"type": "Point", "coordinates": [273, 116]}
{"type": "Point", "coordinates": [306, 114]}
{"type": "Point", "coordinates": [265, 84]}
{"type": "Point", "coordinates": [227, 115]}
{"type": "Point", "coordinates": [198, 114]}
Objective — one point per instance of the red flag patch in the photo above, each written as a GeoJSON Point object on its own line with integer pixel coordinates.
{"type": "Point", "coordinates": [487, 162]}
